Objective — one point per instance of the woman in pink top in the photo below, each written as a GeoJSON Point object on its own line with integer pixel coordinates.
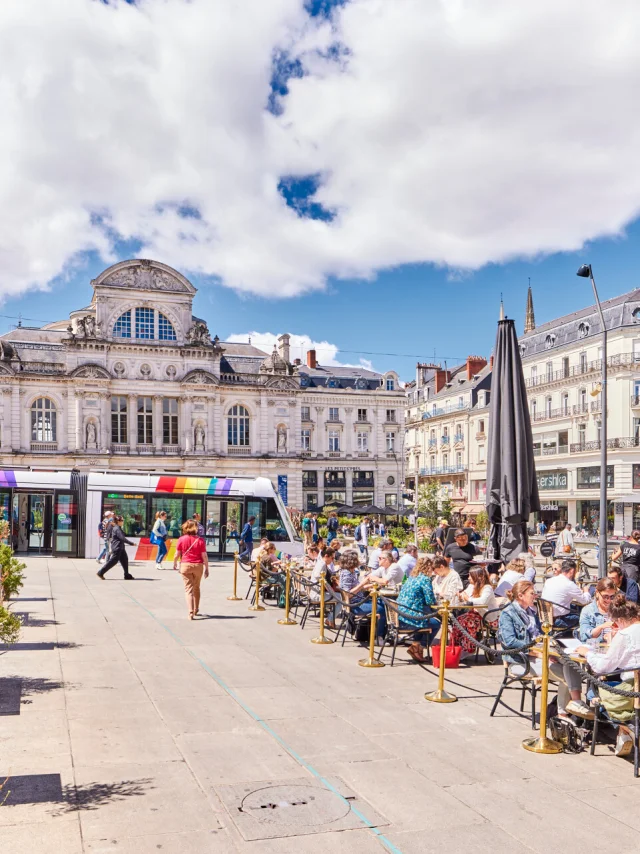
{"type": "Point", "coordinates": [191, 551]}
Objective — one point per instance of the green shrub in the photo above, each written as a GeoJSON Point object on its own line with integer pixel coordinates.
{"type": "Point", "coordinates": [10, 627]}
{"type": "Point", "coordinates": [425, 545]}
{"type": "Point", "coordinates": [11, 572]}
{"type": "Point", "coordinates": [323, 531]}
{"type": "Point", "coordinates": [398, 536]}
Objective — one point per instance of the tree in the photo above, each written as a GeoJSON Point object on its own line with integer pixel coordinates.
{"type": "Point", "coordinates": [433, 502]}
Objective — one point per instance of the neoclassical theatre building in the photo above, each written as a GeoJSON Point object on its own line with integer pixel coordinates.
{"type": "Point", "coordinates": [134, 381]}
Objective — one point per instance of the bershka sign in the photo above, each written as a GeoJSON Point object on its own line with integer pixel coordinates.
{"type": "Point", "coordinates": [548, 480]}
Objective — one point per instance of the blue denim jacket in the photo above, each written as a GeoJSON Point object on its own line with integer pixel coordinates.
{"type": "Point", "coordinates": [590, 617]}
{"type": "Point", "coordinates": [514, 630]}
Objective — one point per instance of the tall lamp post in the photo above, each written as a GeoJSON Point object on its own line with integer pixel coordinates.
{"type": "Point", "coordinates": [586, 272]}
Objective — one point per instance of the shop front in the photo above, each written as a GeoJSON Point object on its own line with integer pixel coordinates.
{"type": "Point", "coordinates": [554, 507]}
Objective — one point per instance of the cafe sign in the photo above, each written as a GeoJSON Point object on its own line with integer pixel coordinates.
{"type": "Point", "coordinates": [549, 480]}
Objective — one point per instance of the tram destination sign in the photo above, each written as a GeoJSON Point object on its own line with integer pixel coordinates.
{"type": "Point", "coordinates": [124, 495]}
{"type": "Point", "coordinates": [549, 480]}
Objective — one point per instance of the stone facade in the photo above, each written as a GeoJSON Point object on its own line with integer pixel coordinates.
{"type": "Point", "coordinates": [135, 381]}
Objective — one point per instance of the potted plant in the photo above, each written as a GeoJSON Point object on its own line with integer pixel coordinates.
{"type": "Point", "coordinates": [10, 626]}
{"type": "Point", "coordinates": [11, 573]}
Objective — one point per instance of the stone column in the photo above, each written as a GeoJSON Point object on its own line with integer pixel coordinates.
{"type": "Point", "coordinates": [350, 444]}
{"type": "Point", "coordinates": [104, 441]}
{"type": "Point", "coordinates": [64, 425]}
{"type": "Point", "coordinates": [132, 422]}
{"type": "Point", "coordinates": [219, 425]}
{"type": "Point", "coordinates": [210, 442]}
{"type": "Point", "coordinates": [77, 427]}
{"type": "Point", "coordinates": [186, 427]}
{"type": "Point", "coordinates": [16, 420]}
{"type": "Point", "coordinates": [6, 416]}
{"type": "Point", "coordinates": [157, 422]}
{"type": "Point", "coordinates": [322, 445]}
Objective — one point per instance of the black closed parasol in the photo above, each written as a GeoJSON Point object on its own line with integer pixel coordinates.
{"type": "Point", "coordinates": [512, 488]}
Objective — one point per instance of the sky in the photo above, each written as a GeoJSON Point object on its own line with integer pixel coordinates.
{"type": "Point", "coordinates": [367, 175]}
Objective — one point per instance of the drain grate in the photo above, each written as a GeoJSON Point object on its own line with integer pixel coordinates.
{"type": "Point", "coordinates": [294, 808]}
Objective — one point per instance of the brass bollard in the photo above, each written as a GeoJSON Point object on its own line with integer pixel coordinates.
{"type": "Point", "coordinates": [542, 744]}
{"type": "Point", "coordinates": [441, 696]}
{"type": "Point", "coordinates": [235, 597]}
{"type": "Point", "coordinates": [321, 638]}
{"type": "Point", "coordinates": [287, 621]}
{"type": "Point", "coordinates": [369, 662]}
{"type": "Point", "coordinates": [257, 606]}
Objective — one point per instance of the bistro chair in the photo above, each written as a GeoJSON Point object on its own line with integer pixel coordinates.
{"type": "Point", "coordinates": [311, 605]}
{"type": "Point", "coordinates": [526, 683]}
{"type": "Point", "coordinates": [396, 632]}
{"type": "Point", "coordinates": [610, 718]}
{"type": "Point", "coordinates": [249, 568]}
{"type": "Point", "coordinates": [270, 585]}
{"type": "Point", "coordinates": [350, 621]}
{"type": "Point", "coordinates": [490, 634]}
{"type": "Point", "coordinates": [546, 615]}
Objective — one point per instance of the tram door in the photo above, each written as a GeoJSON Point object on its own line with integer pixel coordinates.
{"type": "Point", "coordinates": [222, 524]}
{"type": "Point", "coordinates": [32, 516]}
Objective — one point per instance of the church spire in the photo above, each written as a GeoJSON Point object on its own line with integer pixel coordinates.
{"type": "Point", "coordinates": [530, 318]}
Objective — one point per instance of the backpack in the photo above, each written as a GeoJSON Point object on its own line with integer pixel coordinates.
{"type": "Point", "coordinates": [306, 524]}
{"type": "Point", "coordinates": [358, 534]}
{"type": "Point", "coordinates": [570, 736]}
{"type": "Point", "coordinates": [433, 537]}
{"type": "Point", "coordinates": [332, 524]}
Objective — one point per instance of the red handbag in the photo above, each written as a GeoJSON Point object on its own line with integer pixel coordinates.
{"type": "Point", "coordinates": [451, 655]}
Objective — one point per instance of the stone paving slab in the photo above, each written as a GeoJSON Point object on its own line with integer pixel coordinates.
{"type": "Point", "coordinates": [144, 715]}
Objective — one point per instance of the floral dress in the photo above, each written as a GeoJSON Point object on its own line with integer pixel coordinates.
{"type": "Point", "coordinates": [416, 595]}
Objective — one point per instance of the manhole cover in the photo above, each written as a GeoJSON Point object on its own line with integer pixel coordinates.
{"type": "Point", "coordinates": [301, 806]}
{"type": "Point", "coordinates": [270, 809]}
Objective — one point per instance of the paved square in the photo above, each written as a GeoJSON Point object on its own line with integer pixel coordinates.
{"type": "Point", "coordinates": [150, 725]}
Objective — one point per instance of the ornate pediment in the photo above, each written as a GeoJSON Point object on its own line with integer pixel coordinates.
{"type": "Point", "coordinates": [91, 372]}
{"type": "Point", "coordinates": [281, 383]}
{"type": "Point", "coordinates": [144, 275]}
{"type": "Point", "coordinates": [200, 378]}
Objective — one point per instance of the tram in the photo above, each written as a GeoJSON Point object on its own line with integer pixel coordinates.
{"type": "Point", "coordinates": [58, 512]}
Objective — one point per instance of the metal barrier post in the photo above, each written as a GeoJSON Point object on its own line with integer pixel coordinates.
{"type": "Point", "coordinates": [321, 638]}
{"type": "Point", "coordinates": [542, 744]}
{"type": "Point", "coordinates": [441, 696]}
{"type": "Point", "coordinates": [370, 662]}
{"type": "Point", "coordinates": [287, 621]}
{"type": "Point", "coordinates": [235, 597]}
{"type": "Point", "coordinates": [257, 606]}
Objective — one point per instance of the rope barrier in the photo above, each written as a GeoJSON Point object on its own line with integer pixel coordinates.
{"type": "Point", "coordinates": [485, 647]}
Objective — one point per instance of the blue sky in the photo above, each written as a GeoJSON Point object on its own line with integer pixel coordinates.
{"type": "Point", "coordinates": [414, 310]}
{"type": "Point", "coordinates": [323, 167]}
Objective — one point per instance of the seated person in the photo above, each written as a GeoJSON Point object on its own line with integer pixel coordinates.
{"type": "Point", "coordinates": [529, 565]}
{"type": "Point", "coordinates": [624, 583]}
{"type": "Point", "coordinates": [324, 567]}
{"type": "Point", "coordinates": [417, 598]}
{"type": "Point", "coordinates": [562, 591]}
{"type": "Point", "coordinates": [374, 554]}
{"type": "Point", "coordinates": [311, 557]}
{"type": "Point", "coordinates": [408, 560]}
{"type": "Point", "coordinates": [388, 573]}
{"type": "Point", "coordinates": [519, 626]}
{"type": "Point", "coordinates": [262, 545]}
{"type": "Point", "coordinates": [480, 592]}
{"type": "Point", "coordinates": [461, 552]}
{"type": "Point", "coordinates": [623, 653]}
{"type": "Point", "coordinates": [595, 618]}
{"type": "Point", "coordinates": [446, 581]}
{"type": "Point", "coordinates": [512, 574]}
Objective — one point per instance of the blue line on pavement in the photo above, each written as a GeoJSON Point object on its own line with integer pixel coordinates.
{"type": "Point", "coordinates": [265, 726]}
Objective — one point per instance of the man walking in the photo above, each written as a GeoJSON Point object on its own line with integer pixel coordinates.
{"type": "Point", "coordinates": [104, 532]}
{"type": "Point", "coordinates": [117, 541]}
{"type": "Point", "coordinates": [246, 539]}
{"type": "Point", "coordinates": [315, 532]}
{"type": "Point", "coordinates": [441, 536]}
{"type": "Point", "coordinates": [197, 518]}
{"type": "Point", "coordinates": [362, 537]}
{"type": "Point", "coordinates": [564, 543]}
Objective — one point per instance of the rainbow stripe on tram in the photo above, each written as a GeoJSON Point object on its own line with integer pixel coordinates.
{"type": "Point", "coordinates": [197, 485]}
{"type": "Point", "coordinates": [8, 479]}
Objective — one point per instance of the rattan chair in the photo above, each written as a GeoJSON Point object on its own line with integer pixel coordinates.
{"type": "Point", "coordinates": [633, 724]}
{"type": "Point", "coordinates": [546, 615]}
{"type": "Point", "coordinates": [396, 632]}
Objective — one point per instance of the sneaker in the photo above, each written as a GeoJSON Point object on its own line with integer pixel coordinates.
{"type": "Point", "coordinates": [624, 744]}
{"type": "Point", "coordinates": [577, 707]}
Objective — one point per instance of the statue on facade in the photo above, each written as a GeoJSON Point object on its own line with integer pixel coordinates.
{"type": "Point", "coordinates": [92, 436]}
{"type": "Point", "coordinates": [199, 333]}
{"type": "Point", "coordinates": [281, 439]}
{"type": "Point", "coordinates": [81, 329]}
{"type": "Point", "coordinates": [199, 437]}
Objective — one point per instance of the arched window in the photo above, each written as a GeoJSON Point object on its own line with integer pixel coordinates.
{"type": "Point", "coordinates": [238, 427]}
{"type": "Point", "coordinates": [166, 332]}
{"type": "Point", "coordinates": [43, 420]}
{"type": "Point", "coordinates": [122, 326]}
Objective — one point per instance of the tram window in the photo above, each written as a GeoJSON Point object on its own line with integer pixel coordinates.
{"type": "Point", "coordinates": [275, 529]}
{"type": "Point", "coordinates": [173, 509]}
{"type": "Point", "coordinates": [5, 524]}
{"type": "Point", "coordinates": [132, 510]}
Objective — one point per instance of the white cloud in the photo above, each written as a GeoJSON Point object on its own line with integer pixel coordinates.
{"type": "Point", "coordinates": [452, 132]}
{"type": "Point", "coordinates": [299, 345]}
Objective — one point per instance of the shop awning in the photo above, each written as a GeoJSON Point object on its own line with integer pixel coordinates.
{"type": "Point", "coordinates": [473, 508]}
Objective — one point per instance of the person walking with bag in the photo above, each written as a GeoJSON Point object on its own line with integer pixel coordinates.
{"type": "Point", "coordinates": [159, 536]}
{"type": "Point", "coordinates": [191, 551]}
{"type": "Point", "coordinates": [117, 542]}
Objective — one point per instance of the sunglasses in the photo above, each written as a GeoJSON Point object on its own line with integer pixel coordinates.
{"type": "Point", "coordinates": [608, 596]}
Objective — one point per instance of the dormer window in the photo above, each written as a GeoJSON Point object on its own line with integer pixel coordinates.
{"type": "Point", "coordinates": [549, 341]}
{"type": "Point", "coordinates": [636, 314]}
{"type": "Point", "coordinates": [583, 330]}
{"type": "Point", "coordinates": [142, 323]}
{"type": "Point", "coordinates": [523, 350]}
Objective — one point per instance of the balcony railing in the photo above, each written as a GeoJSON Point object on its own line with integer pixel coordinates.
{"type": "Point", "coordinates": [432, 443]}
{"type": "Point", "coordinates": [44, 447]}
{"type": "Point", "coordinates": [434, 470]}
{"type": "Point", "coordinates": [444, 440]}
{"type": "Point", "coordinates": [594, 445]}
{"type": "Point", "coordinates": [120, 449]}
{"type": "Point", "coordinates": [171, 449]}
{"type": "Point", "coordinates": [145, 449]}
{"type": "Point", "coordinates": [238, 451]}
{"type": "Point", "coordinates": [550, 452]}
{"type": "Point", "coordinates": [581, 369]}
{"type": "Point", "coordinates": [635, 400]}
{"type": "Point", "coordinates": [550, 414]}
{"type": "Point", "coordinates": [445, 410]}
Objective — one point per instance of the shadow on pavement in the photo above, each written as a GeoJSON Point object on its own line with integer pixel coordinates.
{"type": "Point", "coordinates": [15, 689]}
{"type": "Point", "coordinates": [35, 622]}
{"type": "Point", "coordinates": [222, 617]}
{"type": "Point", "coordinates": [48, 788]}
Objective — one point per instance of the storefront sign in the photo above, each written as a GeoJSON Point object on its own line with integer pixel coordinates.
{"type": "Point", "coordinates": [549, 507]}
{"type": "Point", "coordinates": [343, 468]}
{"type": "Point", "coordinates": [557, 479]}
{"type": "Point", "coordinates": [283, 488]}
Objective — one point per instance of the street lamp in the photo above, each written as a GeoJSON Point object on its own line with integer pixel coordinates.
{"type": "Point", "coordinates": [586, 272]}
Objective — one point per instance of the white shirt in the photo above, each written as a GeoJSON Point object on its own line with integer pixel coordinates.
{"type": "Point", "coordinates": [507, 580]}
{"type": "Point", "coordinates": [393, 575]}
{"type": "Point", "coordinates": [374, 559]}
{"type": "Point", "coordinates": [407, 562]}
{"type": "Point", "coordinates": [364, 531]}
{"type": "Point", "coordinates": [447, 586]}
{"type": "Point", "coordinates": [624, 651]}
{"type": "Point", "coordinates": [562, 591]}
{"type": "Point", "coordinates": [486, 599]}
{"type": "Point", "coordinates": [565, 538]}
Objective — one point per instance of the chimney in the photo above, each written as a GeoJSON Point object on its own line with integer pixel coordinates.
{"type": "Point", "coordinates": [441, 379]}
{"type": "Point", "coordinates": [311, 359]}
{"type": "Point", "coordinates": [474, 365]}
{"type": "Point", "coordinates": [283, 347]}
{"type": "Point", "coordinates": [491, 362]}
